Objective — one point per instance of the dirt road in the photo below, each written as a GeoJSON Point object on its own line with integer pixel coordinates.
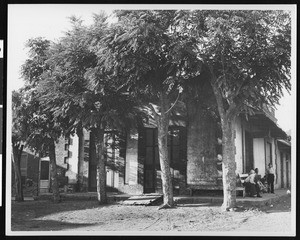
{"type": "Point", "coordinates": [196, 218]}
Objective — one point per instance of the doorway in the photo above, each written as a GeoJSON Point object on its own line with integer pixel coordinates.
{"type": "Point", "coordinates": [248, 151]}
{"type": "Point", "coordinates": [287, 172]}
{"type": "Point", "coordinates": [92, 164]}
{"type": "Point", "coordinates": [44, 175]}
{"type": "Point", "coordinates": [151, 160]}
{"type": "Point", "coordinates": [282, 170]}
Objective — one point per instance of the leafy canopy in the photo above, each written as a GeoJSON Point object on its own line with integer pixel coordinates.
{"type": "Point", "coordinates": [246, 52]}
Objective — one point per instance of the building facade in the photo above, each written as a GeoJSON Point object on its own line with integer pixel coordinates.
{"type": "Point", "coordinates": [195, 154]}
{"type": "Point", "coordinates": [194, 150]}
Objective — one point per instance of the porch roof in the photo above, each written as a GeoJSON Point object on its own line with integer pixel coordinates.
{"type": "Point", "coordinates": [284, 142]}
{"type": "Point", "coordinates": [284, 145]}
{"type": "Point", "coordinates": [266, 126]}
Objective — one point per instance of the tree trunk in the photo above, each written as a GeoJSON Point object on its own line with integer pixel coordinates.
{"type": "Point", "coordinates": [101, 171]}
{"type": "Point", "coordinates": [162, 121]}
{"type": "Point", "coordinates": [228, 158]}
{"type": "Point", "coordinates": [80, 179]}
{"type": "Point", "coordinates": [229, 166]}
{"type": "Point", "coordinates": [53, 172]}
{"type": "Point", "coordinates": [16, 159]}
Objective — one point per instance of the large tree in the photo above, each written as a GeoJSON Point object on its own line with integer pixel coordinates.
{"type": "Point", "coordinates": [19, 133]}
{"type": "Point", "coordinates": [150, 60]}
{"type": "Point", "coordinates": [43, 130]}
{"type": "Point", "coordinates": [74, 90]}
{"type": "Point", "coordinates": [247, 55]}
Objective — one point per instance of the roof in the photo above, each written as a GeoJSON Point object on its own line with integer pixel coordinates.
{"type": "Point", "coordinates": [267, 125]}
{"type": "Point", "coordinates": [287, 143]}
{"type": "Point", "coordinates": [284, 145]}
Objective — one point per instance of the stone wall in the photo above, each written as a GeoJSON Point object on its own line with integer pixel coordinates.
{"type": "Point", "coordinates": [201, 148]}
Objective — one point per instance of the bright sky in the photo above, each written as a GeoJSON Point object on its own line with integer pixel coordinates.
{"type": "Point", "coordinates": [45, 20]}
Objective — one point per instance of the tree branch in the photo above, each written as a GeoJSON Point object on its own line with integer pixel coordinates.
{"type": "Point", "coordinates": [234, 109]}
{"type": "Point", "coordinates": [174, 102]}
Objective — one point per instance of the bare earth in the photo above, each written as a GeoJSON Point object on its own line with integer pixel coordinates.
{"type": "Point", "coordinates": [89, 216]}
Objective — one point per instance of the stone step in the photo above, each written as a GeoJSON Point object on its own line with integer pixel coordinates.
{"type": "Point", "coordinates": [144, 199]}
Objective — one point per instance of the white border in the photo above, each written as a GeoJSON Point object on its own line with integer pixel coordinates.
{"type": "Point", "coordinates": [290, 7]}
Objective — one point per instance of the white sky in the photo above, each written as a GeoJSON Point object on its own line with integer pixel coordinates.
{"type": "Point", "coordinates": [49, 20]}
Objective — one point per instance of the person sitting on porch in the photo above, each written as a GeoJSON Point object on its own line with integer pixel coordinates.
{"type": "Point", "coordinates": [264, 184]}
{"type": "Point", "coordinates": [250, 184]}
{"type": "Point", "coordinates": [257, 183]}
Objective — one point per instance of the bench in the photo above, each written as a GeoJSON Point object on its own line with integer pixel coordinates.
{"type": "Point", "coordinates": [239, 185]}
{"type": "Point", "coordinates": [193, 187]}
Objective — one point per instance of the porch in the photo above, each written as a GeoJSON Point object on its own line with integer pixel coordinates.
{"type": "Point", "coordinates": [267, 198]}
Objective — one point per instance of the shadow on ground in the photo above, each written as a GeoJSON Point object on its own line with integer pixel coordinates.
{"type": "Point", "coordinates": [47, 225]}
{"type": "Point", "coordinates": [38, 209]}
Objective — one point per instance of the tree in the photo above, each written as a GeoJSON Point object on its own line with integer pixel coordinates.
{"type": "Point", "coordinates": [76, 92]}
{"type": "Point", "coordinates": [63, 88]}
{"type": "Point", "coordinates": [18, 136]}
{"type": "Point", "coordinates": [150, 60]}
{"type": "Point", "coordinates": [31, 70]}
{"type": "Point", "coordinates": [247, 55]}
{"type": "Point", "coordinates": [42, 130]}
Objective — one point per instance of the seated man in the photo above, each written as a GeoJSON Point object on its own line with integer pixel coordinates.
{"type": "Point", "coordinates": [250, 185]}
{"type": "Point", "coordinates": [257, 183]}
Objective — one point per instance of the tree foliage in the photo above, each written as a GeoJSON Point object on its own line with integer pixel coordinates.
{"type": "Point", "coordinates": [146, 57]}
{"type": "Point", "coordinates": [38, 129]}
{"type": "Point", "coordinates": [247, 52]}
{"type": "Point", "coordinates": [80, 95]}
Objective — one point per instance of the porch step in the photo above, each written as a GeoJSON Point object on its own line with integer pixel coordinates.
{"type": "Point", "coordinates": [144, 199]}
{"type": "Point", "coordinates": [84, 196]}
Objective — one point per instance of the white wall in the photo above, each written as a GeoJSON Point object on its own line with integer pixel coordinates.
{"type": "Point", "coordinates": [279, 177]}
{"type": "Point", "coordinates": [259, 155]}
{"type": "Point", "coordinates": [238, 145]}
{"type": "Point", "coordinates": [73, 161]}
{"type": "Point", "coordinates": [131, 173]}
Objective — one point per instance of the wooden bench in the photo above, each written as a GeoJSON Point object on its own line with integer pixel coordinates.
{"type": "Point", "coordinates": [239, 186]}
{"type": "Point", "coordinates": [193, 187]}
{"type": "Point", "coordinates": [240, 181]}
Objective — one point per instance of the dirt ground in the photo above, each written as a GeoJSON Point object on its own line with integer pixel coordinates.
{"type": "Point", "coordinates": [196, 218]}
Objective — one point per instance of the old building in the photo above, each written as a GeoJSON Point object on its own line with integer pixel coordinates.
{"type": "Point", "coordinates": [194, 150]}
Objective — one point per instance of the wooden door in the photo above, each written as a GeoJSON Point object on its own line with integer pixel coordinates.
{"type": "Point", "coordinates": [248, 151]}
{"type": "Point", "coordinates": [92, 165]}
{"type": "Point", "coordinates": [151, 160]}
{"type": "Point", "coordinates": [44, 176]}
